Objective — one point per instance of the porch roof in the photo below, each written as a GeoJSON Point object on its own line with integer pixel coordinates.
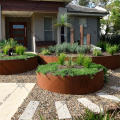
{"type": "Point", "coordinates": [84, 10]}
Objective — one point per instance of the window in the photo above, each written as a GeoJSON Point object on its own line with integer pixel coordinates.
{"type": "Point", "coordinates": [48, 29]}
{"type": "Point", "coordinates": [83, 21]}
{"type": "Point", "coordinates": [84, 40]}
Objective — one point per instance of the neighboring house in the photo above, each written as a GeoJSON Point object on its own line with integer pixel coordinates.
{"type": "Point", "coordinates": [31, 21]}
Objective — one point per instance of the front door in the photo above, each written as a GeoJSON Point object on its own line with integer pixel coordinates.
{"type": "Point", "coordinates": [18, 31]}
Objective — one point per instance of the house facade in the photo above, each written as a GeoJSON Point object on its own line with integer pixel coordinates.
{"type": "Point", "coordinates": [30, 21]}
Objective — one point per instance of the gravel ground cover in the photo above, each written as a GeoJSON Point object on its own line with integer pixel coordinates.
{"type": "Point", "coordinates": [47, 99]}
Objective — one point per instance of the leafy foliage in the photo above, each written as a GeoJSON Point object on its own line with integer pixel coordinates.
{"type": "Point", "coordinates": [20, 50]}
{"type": "Point", "coordinates": [68, 48]}
{"type": "Point", "coordinates": [61, 58]}
{"type": "Point", "coordinates": [14, 57]}
{"type": "Point", "coordinates": [45, 52]}
{"type": "Point", "coordinates": [112, 49]}
{"type": "Point", "coordinates": [80, 59]}
{"type": "Point", "coordinates": [69, 63]}
{"type": "Point", "coordinates": [87, 62]}
{"type": "Point", "coordinates": [92, 116]}
{"type": "Point", "coordinates": [10, 42]}
{"type": "Point", "coordinates": [102, 45]}
{"type": "Point", "coordinates": [54, 69]}
{"type": "Point", "coordinates": [6, 49]}
{"type": "Point", "coordinates": [97, 52]}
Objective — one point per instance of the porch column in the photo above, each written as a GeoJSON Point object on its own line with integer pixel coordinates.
{"type": "Point", "coordinates": [0, 24]}
{"type": "Point", "coordinates": [61, 11]}
{"type": "Point", "coordinates": [3, 27]}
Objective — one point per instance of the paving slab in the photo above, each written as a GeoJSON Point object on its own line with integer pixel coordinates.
{"type": "Point", "coordinates": [115, 88]}
{"type": "Point", "coordinates": [110, 97]}
{"type": "Point", "coordinates": [90, 105]}
{"type": "Point", "coordinates": [15, 98]}
{"type": "Point", "coordinates": [29, 111]}
{"type": "Point", "coordinates": [62, 110]}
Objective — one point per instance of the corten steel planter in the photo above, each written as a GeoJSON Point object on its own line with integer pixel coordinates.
{"type": "Point", "coordinates": [82, 84]}
{"type": "Point", "coordinates": [110, 62]}
{"type": "Point", "coordinates": [8, 67]}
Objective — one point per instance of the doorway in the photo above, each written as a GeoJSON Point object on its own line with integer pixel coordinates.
{"type": "Point", "coordinates": [18, 31]}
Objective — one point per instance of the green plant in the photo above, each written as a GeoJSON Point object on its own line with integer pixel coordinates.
{"type": "Point", "coordinates": [87, 62]}
{"type": "Point", "coordinates": [102, 45]}
{"type": "Point", "coordinates": [61, 58]}
{"type": "Point", "coordinates": [97, 52]}
{"type": "Point", "coordinates": [80, 59]}
{"type": "Point", "coordinates": [20, 50]}
{"type": "Point", "coordinates": [6, 48]}
{"type": "Point", "coordinates": [9, 42]}
{"type": "Point", "coordinates": [112, 49]}
{"type": "Point", "coordinates": [92, 116]}
{"type": "Point", "coordinates": [45, 52]}
{"type": "Point", "coordinates": [51, 49]}
{"type": "Point", "coordinates": [69, 63]}
{"type": "Point", "coordinates": [25, 56]}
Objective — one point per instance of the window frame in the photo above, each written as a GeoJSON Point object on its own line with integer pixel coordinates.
{"type": "Point", "coordinates": [48, 30]}
{"type": "Point", "coordinates": [87, 21]}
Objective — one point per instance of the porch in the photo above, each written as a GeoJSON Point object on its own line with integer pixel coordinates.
{"type": "Point", "coordinates": [28, 25]}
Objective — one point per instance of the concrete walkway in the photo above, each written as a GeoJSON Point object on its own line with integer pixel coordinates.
{"type": "Point", "coordinates": [12, 96]}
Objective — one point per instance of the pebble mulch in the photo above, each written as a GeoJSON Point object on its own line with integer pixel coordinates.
{"type": "Point", "coordinates": [47, 99]}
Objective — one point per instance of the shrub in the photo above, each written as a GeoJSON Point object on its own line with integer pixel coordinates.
{"type": "Point", "coordinates": [69, 63]}
{"type": "Point", "coordinates": [20, 50]}
{"type": "Point", "coordinates": [112, 49]}
{"type": "Point", "coordinates": [87, 62]}
{"type": "Point", "coordinates": [97, 52]}
{"type": "Point", "coordinates": [51, 49]}
{"type": "Point", "coordinates": [61, 58]}
{"type": "Point", "coordinates": [102, 45]}
{"type": "Point", "coordinates": [9, 42]}
{"type": "Point", "coordinates": [5, 49]}
{"type": "Point", "coordinates": [80, 59]}
{"type": "Point", "coordinates": [45, 52]}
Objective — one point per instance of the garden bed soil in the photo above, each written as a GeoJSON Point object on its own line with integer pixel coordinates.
{"type": "Point", "coordinates": [82, 84]}
{"type": "Point", "coordinates": [8, 67]}
{"type": "Point", "coordinates": [109, 61]}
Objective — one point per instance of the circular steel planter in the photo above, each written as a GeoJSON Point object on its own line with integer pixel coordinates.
{"type": "Point", "coordinates": [8, 67]}
{"type": "Point", "coordinates": [110, 62]}
{"type": "Point", "coordinates": [82, 84]}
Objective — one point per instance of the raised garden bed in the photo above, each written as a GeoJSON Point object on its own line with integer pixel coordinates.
{"type": "Point", "coordinates": [109, 61]}
{"type": "Point", "coordinates": [17, 64]}
{"type": "Point", "coordinates": [75, 80]}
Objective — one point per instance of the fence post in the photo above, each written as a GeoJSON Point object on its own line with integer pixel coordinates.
{"type": "Point", "coordinates": [88, 39]}
{"type": "Point", "coordinates": [81, 34]}
{"type": "Point", "coordinates": [72, 35]}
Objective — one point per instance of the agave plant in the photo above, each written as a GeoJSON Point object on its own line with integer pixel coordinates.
{"type": "Point", "coordinates": [63, 23]}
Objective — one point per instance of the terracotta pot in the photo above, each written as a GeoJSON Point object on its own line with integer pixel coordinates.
{"type": "Point", "coordinates": [8, 67]}
{"type": "Point", "coordinates": [82, 84]}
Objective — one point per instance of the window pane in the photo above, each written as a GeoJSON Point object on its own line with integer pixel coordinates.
{"type": "Point", "coordinates": [83, 21]}
{"type": "Point", "coordinates": [85, 40]}
{"type": "Point", "coordinates": [18, 38]}
{"type": "Point", "coordinates": [48, 35]}
{"type": "Point", "coordinates": [47, 23]}
{"type": "Point", "coordinates": [18, 26]}
{"type": "Point", "coordinates": [18, 32]}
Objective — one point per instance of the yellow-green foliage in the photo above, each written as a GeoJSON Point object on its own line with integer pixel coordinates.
{"type": "Point", "coordinates": [97, 52]}
{"type": "Point", "coordinates": [20, 50]}
{"type": "Point", "coordinates": [6, 48]}
{"type": "Point", "coordinates": [45, 52]}
{"type": "Point", "coordinates": [80, 59]}
{"type": "Point", "coordinates": [87, 62]}
{"type": "Point", "coordinates": [61, 58]}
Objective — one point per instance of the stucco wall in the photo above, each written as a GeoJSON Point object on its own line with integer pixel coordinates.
{"type": "Point", "coordinates": [91, 28]}
{"type": "Point", "coordinates": [19, 19]}
{"type": "Point", "coordinates": [39, 25]}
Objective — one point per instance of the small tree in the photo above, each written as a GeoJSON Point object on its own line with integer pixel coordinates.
{"type": "Point", "coordinates": [62, 24]}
